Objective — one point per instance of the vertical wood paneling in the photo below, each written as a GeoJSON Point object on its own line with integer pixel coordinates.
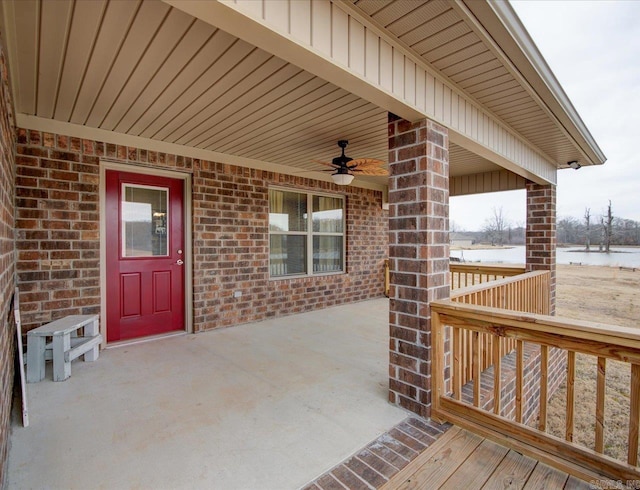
{"type": "Point", "coordinates": [372, 57]}
{"type": "Point", "coordinates": [149, 20]}
{"type": "Point", "coordinates": [421, 87]}
{"type": "Point", "coordinates": [183, 89]}
{"type": "Point", "coordinates": [431, 94]}
{"type": "Point", "coordinates": [117, 21]}
{"type": "Point", "coordinates": [340, 35]}
{"type": "Point", "coordinates": [386, 65]}
{"type": "Point", "coordinates": [398, 73]}
{"type": "Point", "coordinates": [446, 105]}
{"type": "Point", "coordinates": [321, 26]}
{"type": "Point", "coordinates": [438, 100]}
{"type": "Point", "coordinates": [454, 110]}
{"type": "Point", "coordinates": [276, 13]}
{"type": "Point", "coordinates": [180, 65]}
{"type": "Point", "coordinates": [154, 60]}
{"type": "Point", "coordinates": [53, 43]}
{"type": "Point", "coordinates": [356, 46]}
{"type": "Point", "coordinates": [26, 19]}
{"type": "Point", "coordinates": [410, 81]}
{"type": "Point", "coordinates": [300, 20]}
{"type": "Point", "coordinates": [86, 21]}
{"type": "Point", "coordinates": [255, 7]}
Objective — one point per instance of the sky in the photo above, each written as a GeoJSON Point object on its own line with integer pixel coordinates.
{"type": "Point", "coordinates": [593, 48]}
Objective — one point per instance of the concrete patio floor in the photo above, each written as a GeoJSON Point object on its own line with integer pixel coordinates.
{"type": "Point", "coordinates": [268, 405]}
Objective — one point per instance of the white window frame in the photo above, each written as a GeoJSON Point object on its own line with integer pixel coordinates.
{"type": "Point", "coordinates": [310, 234]}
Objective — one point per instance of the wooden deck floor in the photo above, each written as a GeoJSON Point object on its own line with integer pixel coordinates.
{"type": "Point", "coordinates": [462, 460]}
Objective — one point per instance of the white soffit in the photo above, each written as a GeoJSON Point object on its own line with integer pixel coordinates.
{"type": "Point", "coordinates": [448, 36]}
{"type": "Point", "coordinates": [146, 70]}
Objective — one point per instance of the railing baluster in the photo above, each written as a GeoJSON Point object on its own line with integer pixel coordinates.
{"type": "Point", "coordinates": [634, 415]}
{"type": "Point", "coordinates": [437, 380]}
{"type": "Point", "coordinates": [571, 378]}
{"type": "Point", "coordinates": [457, 364]}
{"type": "Point", "coordinates": [497, 377]}
{"type": "Point", "coordinates": [476, 369]}
{"type": "Point", "coordinates": [519, 376]}
{"type": "Point", "coordinates": [544, 367]}
{"type": "Point", "coordinates": [600, 390]}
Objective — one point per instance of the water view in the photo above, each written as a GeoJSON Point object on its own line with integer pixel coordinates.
{"type": "Point", "coordinates": [619, 256]}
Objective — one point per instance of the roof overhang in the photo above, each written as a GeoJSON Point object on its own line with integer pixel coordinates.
{"type": "Point", "coordinates": [272, 85]}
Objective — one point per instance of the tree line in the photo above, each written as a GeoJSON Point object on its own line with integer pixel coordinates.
{"type": "Point", "coordinates": [594, 232]}
{"type": "Point", "coordinates": [598, 232]}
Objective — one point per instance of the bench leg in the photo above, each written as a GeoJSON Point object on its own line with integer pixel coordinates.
{"type": "Point", "coordinates": [61, 368]}
{"type": "Point", "coordinates": [91, 330]}
{"type": "Point", "coordinates": [35, 358]}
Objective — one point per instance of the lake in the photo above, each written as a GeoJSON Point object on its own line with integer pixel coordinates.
{"type": "Point", "coordinates": [619, 256]}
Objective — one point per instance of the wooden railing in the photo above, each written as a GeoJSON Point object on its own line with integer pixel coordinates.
{"type": "Point", "coordinates": [529, 293]}
{"type": "Point", "coordinates": [601, 341]}
{"type": "Point", "coordinates": [464, 275]}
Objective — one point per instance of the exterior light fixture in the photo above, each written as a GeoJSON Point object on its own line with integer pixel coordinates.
{"type": "Point", "coordinates": [574, 164]}
{"type": "Point", "coordinates": [342, 178]}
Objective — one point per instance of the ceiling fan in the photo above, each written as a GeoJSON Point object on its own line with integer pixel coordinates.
{"type": "Point", "coordinates": [344, 166]}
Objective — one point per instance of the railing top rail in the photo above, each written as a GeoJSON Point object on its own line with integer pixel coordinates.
{"type": "Point", "coordinates": [500, 269]}
{"type": "Point", "coordinates": [616, 341]}
{"type": "Point", "coordinates": [456, 293]}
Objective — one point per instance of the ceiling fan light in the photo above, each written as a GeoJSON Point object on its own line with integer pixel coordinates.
{"type": "Point", "coordinates": [342, 178]}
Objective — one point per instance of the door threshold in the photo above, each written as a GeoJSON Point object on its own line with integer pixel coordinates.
{"type": "Point", "coordinates": [151, 338]}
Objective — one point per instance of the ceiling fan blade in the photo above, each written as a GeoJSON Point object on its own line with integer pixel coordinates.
{"type": "Point", "coordinates": [371, 171]}
{"type": "Point", "coordinates": [366, 162]}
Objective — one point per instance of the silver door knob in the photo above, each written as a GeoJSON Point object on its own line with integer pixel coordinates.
{"type": "Point", "coordinates": [179, 262]}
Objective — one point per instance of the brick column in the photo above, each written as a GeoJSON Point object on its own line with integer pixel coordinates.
{"type": "Point", "coordinates": [418, 253]}
{"type": "Point", "coordinates": [541, 232]}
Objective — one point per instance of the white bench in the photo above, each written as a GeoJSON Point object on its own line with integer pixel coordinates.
{"type": "Point", "coordinates": [66, 346]}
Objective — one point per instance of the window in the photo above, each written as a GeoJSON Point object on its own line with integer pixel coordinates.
{"type": "Point", "coordinates": [300, 222]}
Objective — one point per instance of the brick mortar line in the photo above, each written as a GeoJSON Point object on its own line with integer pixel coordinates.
{"type": "Point", "coordinates": [380, 440]}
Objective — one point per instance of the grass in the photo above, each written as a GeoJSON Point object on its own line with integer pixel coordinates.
{"type": "Point", "coordinates": [605, 295]}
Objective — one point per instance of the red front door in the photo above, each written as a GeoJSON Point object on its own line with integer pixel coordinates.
{"type": "Point", "coordinates": [145, 255]}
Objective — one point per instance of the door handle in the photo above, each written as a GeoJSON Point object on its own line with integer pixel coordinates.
{"type": "Point", "coordinates": [179, 262]}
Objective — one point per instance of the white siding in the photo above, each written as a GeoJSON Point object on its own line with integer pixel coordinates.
{"type": "Point", "coordinates": [341, 35]}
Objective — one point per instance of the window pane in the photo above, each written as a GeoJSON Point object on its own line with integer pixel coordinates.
{"type": "Point", "coordinates": [144, 221]}
{"type": "Point", "coordinates": [287, 255]}
{"type": "Point", "coordinates": [327, 214]}
{"type": "Point", "coordinates": [327, 253]}
{"type": "Point", "coordinates": [287, 211]}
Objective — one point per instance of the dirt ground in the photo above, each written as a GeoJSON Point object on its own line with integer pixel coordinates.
{"type": "Point", "coordinates": [605, 295]}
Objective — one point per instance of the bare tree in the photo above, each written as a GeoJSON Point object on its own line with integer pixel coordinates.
{"type": "Point", "coordinates": [587, 224]}
{"type": "Point", "coordinates": [608, 228]}
{"type": "Point", "coordinates": [495, 226]}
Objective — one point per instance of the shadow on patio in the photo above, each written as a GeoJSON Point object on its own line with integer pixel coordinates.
{"type": "Point", "coordinates": [268, 405]}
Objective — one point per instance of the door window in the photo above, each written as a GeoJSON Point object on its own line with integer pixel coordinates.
{"type": "Point", "coordinates": [144, 221]}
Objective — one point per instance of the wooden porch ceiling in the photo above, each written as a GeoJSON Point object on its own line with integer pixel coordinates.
{"type": "Point", "coordinates": [143, 68]}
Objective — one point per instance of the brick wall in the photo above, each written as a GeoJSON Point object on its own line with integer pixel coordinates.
{"type": "Point", "coordinates": [556, 373]}
{"type": "Point", "coordinates": [7, 262]}
{"type": "Point", "coordinates": [541, 232]}
{"type": "Point", "coordinates": [58, 235]}
{"type": "Point", "coordinates": [418, 253]}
